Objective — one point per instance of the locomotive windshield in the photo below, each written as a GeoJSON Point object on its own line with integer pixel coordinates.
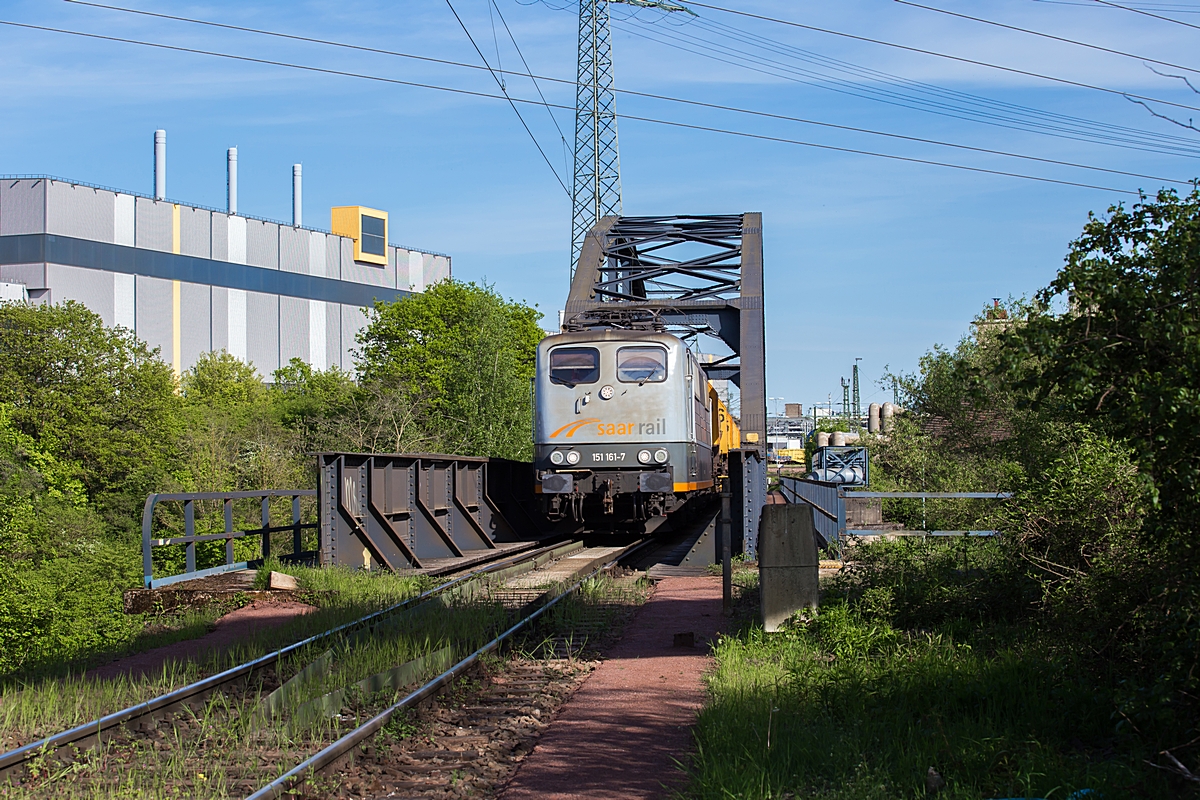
{"type": "Point", "coordinates": [641, 364]}
{"type": "Point", "coordinates": [574, 365]}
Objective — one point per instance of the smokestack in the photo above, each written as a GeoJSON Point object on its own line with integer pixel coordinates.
{"type": "Point", "coordinates": [231, 180]}
{"type": "Point", "coordinates": [297, 211]}
{"type": "Point", "coordinates": [160, 164]}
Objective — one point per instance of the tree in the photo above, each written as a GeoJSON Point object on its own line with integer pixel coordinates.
{"type": "Point", "coordinates": [466, 355]}
{"type": "Point", "coordinates": [221, 380]}
{"type": "Point", "coordinates": [306, 395]}
{"type": "Point", "coordinates": [235, 437]}
{"type": "Point", "coordinates": [1125, 349]}
{"type": "Point", "coordinates": [91, 396]}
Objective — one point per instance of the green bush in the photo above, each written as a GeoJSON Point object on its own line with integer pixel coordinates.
{"type": "Point", "coordinates": [845, 705]}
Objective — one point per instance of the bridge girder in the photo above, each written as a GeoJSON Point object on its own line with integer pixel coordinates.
{"type": "Point", "coordinates": [688, 275]}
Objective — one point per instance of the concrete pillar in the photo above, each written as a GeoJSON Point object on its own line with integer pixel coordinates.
{"type": "Point", "coordinates": [787, 563]}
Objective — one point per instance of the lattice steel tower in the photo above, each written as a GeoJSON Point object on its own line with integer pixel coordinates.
{"type": "Point", "coordinates": [857, 400]}
{"type": "Point", "coordinates": [596, 189]}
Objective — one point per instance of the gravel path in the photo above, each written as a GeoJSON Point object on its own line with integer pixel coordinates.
{"type": "Point", "coordinates": [621, 734]}
{"type": "Point", "coordinates": [228, 630]}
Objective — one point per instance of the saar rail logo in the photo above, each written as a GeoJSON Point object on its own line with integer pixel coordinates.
{"type": "Point", "coordinates": [657, 427]}
{"type": "Point", "coordinates": [571, 427]}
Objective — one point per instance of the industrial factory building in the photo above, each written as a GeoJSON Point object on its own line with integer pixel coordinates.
{"type": "Point", "coordinates": [188, 279]}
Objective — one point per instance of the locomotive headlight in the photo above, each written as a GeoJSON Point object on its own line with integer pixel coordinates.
{"type": "Point", "coordinates": [607, 392]}
{"type": "Point", "coordinates": [573, 457]}
{"type": "Point", "coordinates": [644, 456]}
{"type": "Point", "coordinates": [556, 457]}
{"type": "Point", "coordinates": [661, 456]}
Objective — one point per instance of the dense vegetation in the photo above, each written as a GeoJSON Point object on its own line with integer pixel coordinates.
{"type": "Point", "coordinates": [91, 421]}
{"type": "Point", "coordinates": [1063, 655]}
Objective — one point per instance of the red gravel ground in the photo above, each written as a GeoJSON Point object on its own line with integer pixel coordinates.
{"type": "Point", "coordinates": [621, 733]}
{"type": "Point", "coordinates": [228, 630]}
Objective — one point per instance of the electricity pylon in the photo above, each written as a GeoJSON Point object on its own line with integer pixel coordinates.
{"type": "Point", "coordinates": [596, 188]}
{"type": "Point", "coordinates": [857, 401]}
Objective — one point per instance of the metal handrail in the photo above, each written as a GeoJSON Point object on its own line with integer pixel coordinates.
{"type": "Point", "coordinates": [930, 495]}
{"type": "Point", "coordinates": [190, 538]}
{"type": "Point", "coordinates": [837, 525]}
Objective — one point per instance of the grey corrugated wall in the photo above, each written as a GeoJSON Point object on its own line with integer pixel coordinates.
{"type": "Point", "coordinates": [262, 332]}
{"type": "Point", "coordinates": [153, 225]}
{"type": "Point", "coordinates": [79, 211]}
{"type": "Point", "coordinates": [195, 322]}
{"type": "Point", "coordinates": [22, 207]}
{"type": "Point", "coordinates": [262, 244]}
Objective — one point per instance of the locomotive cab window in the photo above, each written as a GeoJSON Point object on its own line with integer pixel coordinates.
{"type": "Point", "coordinates": [574, 365]}
{"type": "Point", "coordinates": [641, 364]}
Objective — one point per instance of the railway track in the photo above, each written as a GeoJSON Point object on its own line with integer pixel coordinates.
{"type": "Point", "coordinates": [192, 696]}
{"type": "Point", "coordinates": [343, 747]}
{"type": "Point", "coordinates": [516, 585]}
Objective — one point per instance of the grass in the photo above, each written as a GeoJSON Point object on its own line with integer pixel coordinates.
{"type": "Point", "coordinates": [38, 704]}
{"type": "Point", "coordinates": [228, 747]}
{"type": "Point", "coordinates": [584, 622]}
{"type": "Point", "coordinates": [848, 703]}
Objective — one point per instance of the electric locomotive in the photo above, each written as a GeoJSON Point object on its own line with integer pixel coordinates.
{"type": "Point", "coordinates": [626, 426]}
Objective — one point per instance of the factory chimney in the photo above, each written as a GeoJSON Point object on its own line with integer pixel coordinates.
{"type": "Point", "coordinates": [231, 180]}
{"type": "Point", "coordinates": [297, 211]}
{"type": "Point", "coordinates": [160, 164]}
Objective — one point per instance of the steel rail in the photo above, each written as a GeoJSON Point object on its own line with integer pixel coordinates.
{"type": "Point", "coordinates": [346, 743]}
{"type": "Point", "coordinates": [14, 759]}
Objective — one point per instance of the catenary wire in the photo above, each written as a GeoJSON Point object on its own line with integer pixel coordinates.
{"type": "Point", "coordinates": [636, 118]}
{"type": "Point", "coordinates": [1051, 36]}
{"type": "Point", "coordinates": [934, 53]}
{"type": "Point", "coordinates": [495, 38]}
{"type": "Point", "coordinates": [1145, 13]}
{"type": "Point", "coordinates": [969, 100]}
{"type": "Point", "coordinates": [504, 91]}
{"type": "Point", "coordinates": [363, 48]}
{"type": "Point", "coordinates": [529, 72]}
{"type": "Point", "coordinates": [1179, 9]}
{"type": "Point", "coordinates": [647, 95]}
{"type": "Point", "coordinates": [1142, 143]}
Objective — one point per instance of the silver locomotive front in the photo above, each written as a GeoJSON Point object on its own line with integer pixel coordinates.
{"type": "Point", "coordinates": [614, 433]}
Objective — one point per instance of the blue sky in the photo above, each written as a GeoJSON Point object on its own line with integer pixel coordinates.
{"type": "Point", "coordinates": [865, 257]}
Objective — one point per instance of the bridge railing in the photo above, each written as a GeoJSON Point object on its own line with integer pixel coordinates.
{"type": "Point", "coordinates": [410, 510]}
{"type": "Point", "coordinates": [229, 535]}
{"type": "Point", "coordinates": [830, 503]}
{"type": "Point", "coordinates": [829, 514]}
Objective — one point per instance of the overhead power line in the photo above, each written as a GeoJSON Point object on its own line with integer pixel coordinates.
{"type": "Point", "coordinates": [432, 60]}
{"type": "Point", "coordinates": [913, 95]}
{"type": "Point", "coordinates": [665, 98]}
{"type": "Point", "coordinates": [934, 53]}
{"type": "Point", "coordinates": [1147, 13]}
{"type": "Point", "coordinates": [1051, 36]}
{"type": "Point", "coordinates": [1173, 8]}
{"type": "Point", "coordinates": [504, 91]}
{"type": "Point", "coordinates": [529, 71]}
{"type": "Point", "coordinates": [633, 117]}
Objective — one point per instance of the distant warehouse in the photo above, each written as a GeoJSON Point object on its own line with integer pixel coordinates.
{"type": "Point", "coordinates": [188, 279]}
